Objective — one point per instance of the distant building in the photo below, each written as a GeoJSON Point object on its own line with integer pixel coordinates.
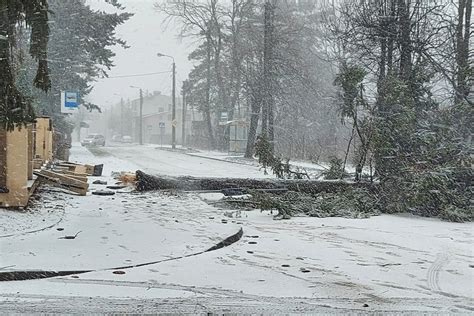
{"type": "Point", "coordinates": [308, 5]}
{"type": "Point", "coordinates": [157, 111]}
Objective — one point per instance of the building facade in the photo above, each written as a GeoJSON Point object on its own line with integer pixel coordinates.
{"type": "Point", "coordinates": [158, 119]}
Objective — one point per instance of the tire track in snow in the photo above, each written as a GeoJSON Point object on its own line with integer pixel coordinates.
{"type": "Point", "coordinates": [434, 270]}
{"type": "Point", "coordinates": [214, 301]}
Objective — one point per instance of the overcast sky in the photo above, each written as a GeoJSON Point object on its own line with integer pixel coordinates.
{"type": "Point", "coordinates": [146, 34]}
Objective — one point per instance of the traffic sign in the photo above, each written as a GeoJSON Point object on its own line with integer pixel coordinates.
{"type": "Point", "coordinates": [69, 101]}
{"type": "Point", "coordinates": [224, 118]}
{"type": "Point", "coordinates": [161, 124]}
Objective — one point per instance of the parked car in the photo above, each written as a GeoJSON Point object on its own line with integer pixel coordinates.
{"type": "Point", "coordinates": [127, 139]}
{"type": "Point", "coordinates": [117, 138]}
{"type": "Point", "coordinates": [93, 140]}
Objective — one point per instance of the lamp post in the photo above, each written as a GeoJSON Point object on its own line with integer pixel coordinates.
{"type": "Point", "coordinates": [183, 128]}
{"type": "Point", "coordinates": [140, 132]}
{"type": "Point", "coordinates": [173, 111]}
{"type": "Point", "coordinates": [121, 117]}
{"type": "Point", "coordinates": [121, 113]}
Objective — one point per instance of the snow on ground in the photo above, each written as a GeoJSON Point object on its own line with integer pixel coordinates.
{"type": "Point", "coordinates": [388, 263]}
{"type": "Point", "coordinates": [45, 213]}
{"type": "Point", "coordinates": [151, 159]}
{"type": "Point", "coordinates": [313, 169]}
{"type": "Point", "coordinates": [119, 230]}
{"type": "Point", "coordinates": [112, 229]}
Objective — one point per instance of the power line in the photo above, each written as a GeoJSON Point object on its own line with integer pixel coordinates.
{"type": "Point", "coordinates": [139, 75]}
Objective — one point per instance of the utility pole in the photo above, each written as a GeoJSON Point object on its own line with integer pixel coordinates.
{"type": "Point", "coordinates": [121, 116]}
{"type": "Point", "coordinates": [141, 118]}
{"type": "Point", "coordinates": [183, 127]}
{"type": "Point", "coordinates": [173, 123]}
{"type": "Point", "coordinates": [267, 108]}
{"type": "Point", "coordinates": [173, 112]}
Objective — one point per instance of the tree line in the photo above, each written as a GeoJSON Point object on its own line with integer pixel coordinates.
{"type": "Point", "coordinates": [392, 79]}
{"type": "Point", "coordinates": [256, 60]}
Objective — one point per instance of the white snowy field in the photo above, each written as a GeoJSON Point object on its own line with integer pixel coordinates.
{"type": "Point", "coordinates": [388, 263]}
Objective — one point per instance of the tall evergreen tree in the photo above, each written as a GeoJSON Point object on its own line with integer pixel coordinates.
{"type": "Point", "coordinates": [79, 51]}
{"type": "Point", "coordinates": [15, 109]}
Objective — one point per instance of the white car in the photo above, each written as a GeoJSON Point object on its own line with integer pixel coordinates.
{"type": "Point", "coordinates": [93, 140]}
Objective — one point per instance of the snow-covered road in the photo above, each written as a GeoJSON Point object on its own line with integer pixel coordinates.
{"type": "Point", "coordinates": [154, 160]}
{"type": "Point", "coordinates": [388, 263]}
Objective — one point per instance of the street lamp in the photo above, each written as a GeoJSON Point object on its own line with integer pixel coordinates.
{"type": "Point", "coordinates": [121, 113]}
{"type": "Point", "coordinates": [173, 112]}
{"type": "Point", "coordinates": [140, 134]}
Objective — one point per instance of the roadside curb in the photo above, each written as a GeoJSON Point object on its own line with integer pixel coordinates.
{"type": "Point", "coordinates": [223, 160]}
{"type": "Point", "coordinates": [195, 153]}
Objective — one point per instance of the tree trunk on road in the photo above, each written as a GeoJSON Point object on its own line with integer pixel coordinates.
{"type": "Point", "coordinates": [146, 182]}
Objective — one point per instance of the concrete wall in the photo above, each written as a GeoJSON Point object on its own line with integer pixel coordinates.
{"type": "Point", "coordinates": [30, 152]}
{"type": "Point", "coordinates": [44, 139]}
{"type": "Point", "coordinates": [3, 158]}
{"type": "Point", "coordinates": [17, 169]}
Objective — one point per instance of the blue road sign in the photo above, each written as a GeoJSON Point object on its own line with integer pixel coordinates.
{"type": "Point", "coordinates": [71, 99]}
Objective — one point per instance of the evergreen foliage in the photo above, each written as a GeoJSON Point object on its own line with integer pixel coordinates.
{"type": "Point", "coordinates": [281, 168]}
{"type": "Point", "coordinates": [421, 142]}
{"type": "Point", "coordinates": [351, 203]}
{"type": "Point", "coordinates": [80, 52]}
{"type": "Point", "coordinates": [336, 170]}
{"type": "Point", "coordinates": [15, 108]}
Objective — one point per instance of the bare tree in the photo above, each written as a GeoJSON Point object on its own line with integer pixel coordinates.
{"type": "Point", "coordinates": [463, 37]}
{"type": "Point", "coordinates": [199, 20]}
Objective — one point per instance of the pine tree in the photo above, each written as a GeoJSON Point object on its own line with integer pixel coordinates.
{"type": "Point", "coordinates": [15, 15]}
{"type": "Point", "coordinates": [79, 50]}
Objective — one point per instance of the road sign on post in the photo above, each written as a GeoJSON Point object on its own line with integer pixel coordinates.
{"type": "Point", "coordinates": [162, 129]}
{"type": "Point", "coordinates": [69, 102]}
{"type": "Point", "coordinates": [223, 119]}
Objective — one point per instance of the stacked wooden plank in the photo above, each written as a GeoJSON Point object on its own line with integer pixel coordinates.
{"type": "Point", "coordinates": [91, 170]}
{"type": "Point", "coordinates": [69, 176]}
{"type": "Point", "coordinates": [76, 183]}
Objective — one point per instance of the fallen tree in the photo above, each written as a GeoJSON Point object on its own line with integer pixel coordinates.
{"type": "Point", "coordinates": [289, 197]}
{"type": "Point", "coordinates": [146, 182]}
